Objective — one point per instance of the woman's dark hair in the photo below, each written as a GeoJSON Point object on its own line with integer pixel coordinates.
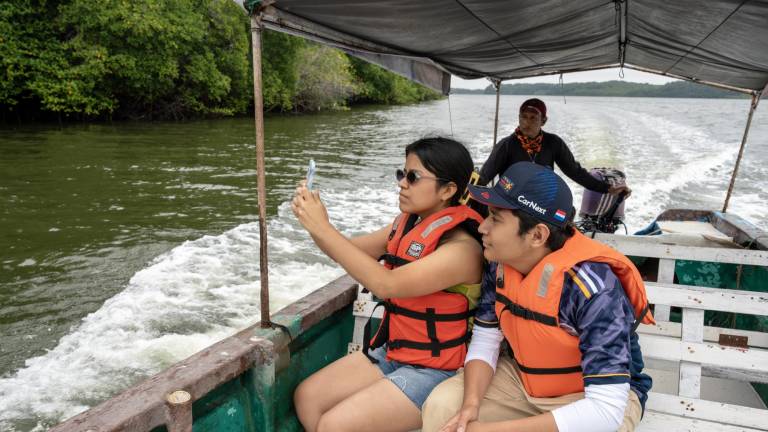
{"type": "Point", "coordinates": [445, 158]}
{"type": "Point", "coordinates": [557, 235]}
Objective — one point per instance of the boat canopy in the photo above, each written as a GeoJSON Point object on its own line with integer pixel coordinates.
{"type": "Point", "coordinates": [716, 42]}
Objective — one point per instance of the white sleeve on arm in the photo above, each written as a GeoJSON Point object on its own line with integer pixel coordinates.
{"type": "Point", "coordinates": [485, 345]}
{"type": "Point", "coordinates": [602, 409]}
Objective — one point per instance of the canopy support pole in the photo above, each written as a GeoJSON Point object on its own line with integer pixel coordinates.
{"type": "Point", "coordinates": [258, 111]}
{"type": "Point", "coordinates": [753, 105]}
{"type": "Point", "coordinates": [497, 86]}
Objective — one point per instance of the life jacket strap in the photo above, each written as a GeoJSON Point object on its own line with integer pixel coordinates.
{"type": "Point", "coordinates": [381, 335]}
{"type": "Point", "coordinates": [433, 346]}
{"type": "Point", "coordinates": [393, 260]}
{"type": "Point", "coordinates": [549, 371]}
{"type": "Point", "coordinates": [409, 224]}
{"type": "Point", "coordinates": [522, 312]}
{"type": "Point", "coordinates": [640, 317]}
{"type": "Point", "coordinates": [428, 316]}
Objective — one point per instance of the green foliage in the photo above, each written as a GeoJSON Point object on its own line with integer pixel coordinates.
{"type": "Point", "coordinates": [279, 69]}
{"type": "Point", "coordinates": [135, 58]}
{"type": "Point", "coordinates": [377, 85]}
{"type": "Point", "coordinates": [325, 78]}
{"type": "Point", "coordinates": [175, 57]}
{"type": "Point", "coordinates": [28, 46]}
{"type": "Point", "coordinates": [170, 59]}
{"type": "Point", "coordinates": [678, 89]}
{"type": "Point", "coordinates": [304, 76]}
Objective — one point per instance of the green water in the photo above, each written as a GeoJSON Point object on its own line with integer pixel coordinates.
{"type": "Point", "coordinates": [127, 247]}
{"type": "Point", "coordinates": [84, 207]}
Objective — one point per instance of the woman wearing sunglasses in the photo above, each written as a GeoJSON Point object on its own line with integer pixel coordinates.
{"type": "Point", "coordinates": [429, 283]}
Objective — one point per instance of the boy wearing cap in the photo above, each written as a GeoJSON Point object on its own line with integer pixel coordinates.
{"type": "Point", "coordinates": [566, 305]}
{"type": "Point", "coordinates": [531, 144]}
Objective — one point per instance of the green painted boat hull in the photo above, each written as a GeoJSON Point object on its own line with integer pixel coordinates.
{"type": "Point", "coordinates": [259, 401]}
{"type": "Point", "coordinates": [245, 382]}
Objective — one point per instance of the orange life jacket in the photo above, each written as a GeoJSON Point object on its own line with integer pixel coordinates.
{"type": "Point", "coordinates": [429, 330]}
{"type": "Point", "coordinates": [528, 310]}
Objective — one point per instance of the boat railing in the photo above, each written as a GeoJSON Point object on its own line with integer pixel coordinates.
{"type": "Point", "coordinates": [698, 351]}
{"type": "Point", "coordinates": [165, 400]}
{"type": "Point", "coordinates": [695, 350]}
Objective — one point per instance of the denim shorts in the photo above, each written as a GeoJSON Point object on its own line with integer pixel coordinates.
{"type": "Point", "coordinates": [415, 381]}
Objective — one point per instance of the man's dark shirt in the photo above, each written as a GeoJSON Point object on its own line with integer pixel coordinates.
{"type": "Point", "coordinates": [553, 150]}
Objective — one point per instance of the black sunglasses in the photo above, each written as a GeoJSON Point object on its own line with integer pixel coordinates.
{"type": "Point", "coordinates": [413, 176]}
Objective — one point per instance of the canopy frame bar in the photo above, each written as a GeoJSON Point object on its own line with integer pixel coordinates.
{"type": "Point", "coordinates": [693, 80]}
{"type": "Point", "coordinates": [258, 111]}
{"type": "Point", "coordinates": [752, 107]}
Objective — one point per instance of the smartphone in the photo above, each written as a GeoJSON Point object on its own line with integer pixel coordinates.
{"type": "Point", "coordinates": [310, 173]}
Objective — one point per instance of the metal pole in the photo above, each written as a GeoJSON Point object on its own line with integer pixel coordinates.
{"type": "Point", "coordinates": [497, 85]}
{"type": "Point", "coordinates": [753, 105]}
{"type": "Point", "coordinates": [258, 111]}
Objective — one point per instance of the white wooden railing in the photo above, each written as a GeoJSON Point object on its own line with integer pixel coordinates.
{"type": "Point", "coordinates": [695, 347]}
{"type": "Point", "coordinates": [690, 345]}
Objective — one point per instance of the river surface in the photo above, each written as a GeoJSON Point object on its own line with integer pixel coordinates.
{"type": "Point", "coordinates": [130, 246]}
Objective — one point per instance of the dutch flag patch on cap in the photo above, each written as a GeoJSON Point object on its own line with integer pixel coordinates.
{"type": "Point", "coordinates": [560, 215]}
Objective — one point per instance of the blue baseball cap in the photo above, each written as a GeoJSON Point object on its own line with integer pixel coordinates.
{"type": "Point", "coordinates": [532, 188]}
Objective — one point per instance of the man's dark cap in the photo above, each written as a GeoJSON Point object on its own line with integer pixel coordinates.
{"type": "Point", "coordinates": [535, 105]}
{"type": "Point", "coordinates": [532, 188]}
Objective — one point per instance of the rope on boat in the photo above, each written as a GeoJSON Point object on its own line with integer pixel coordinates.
{"type": "Point", "coordinates": [497, 86]}
{"type": "Point", "coordinates": [753, 106]}
{"type": "Point", "coordinates": [622, 11]}
{"type": "Point", "coordinates": [562, 88]}
{"type": "Point", "coordinates": [450, 114]}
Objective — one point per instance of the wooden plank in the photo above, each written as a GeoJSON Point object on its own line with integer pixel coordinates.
{"type": "Point", "coordinates": [142, 407]}
{"type": "Point", "coordinates": [751, 363]}
{"type": "Point", "coordinates": [357, 335]}
{"type": "Point", "coordinates": [653, 247]}
{"type": "Point", "coordinates": [718, 412]}
{"type": "Point", "coordinates": [658, 422]}
{"type": "Point", "coordinates": [715, 389]}
{"type": "Point", "coordinates": [731, 373]}
{"type": "Point", "coordinates": [740, 230]}
{"type": "Point", "coordinates": [319, 304]}
{"type": "Point", "coordinates": [715, 299]}
{"type": "Point", "coordinates": [711, 334]}
{"type": "Point", "coordinates": [365, 308]}
{"type": "Point", "coordinates": [656, 365]}
{"type": "Point", "coordinates": [666, 274]}
{"type": "Point", "coordinates": [690, 372]}
{"type": "Point", "coordinates": [690, 379]}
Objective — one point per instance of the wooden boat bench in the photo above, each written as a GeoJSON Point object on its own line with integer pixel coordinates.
{"type": "Point", "coordinates": [362, 308]}
{"type": "Point", "coordinates": [680, 356]}
{"type": "Point", "coordinates": [693, 354]}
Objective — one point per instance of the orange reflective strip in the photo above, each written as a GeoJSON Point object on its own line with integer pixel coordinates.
{"type": "Point", "coordinates": [606, 375]}
{"type": "Point", "coordinates": [580, 284]}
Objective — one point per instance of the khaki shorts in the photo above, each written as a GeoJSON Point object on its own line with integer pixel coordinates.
{"type": "Point", "coordinates": [505, 400]}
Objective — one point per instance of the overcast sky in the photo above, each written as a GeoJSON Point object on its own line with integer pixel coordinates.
{"type": "Point", "coordinates": [600, 75]}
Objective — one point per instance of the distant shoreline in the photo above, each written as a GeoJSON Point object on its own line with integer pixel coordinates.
{"type": "Point", "coordinates": [678, 89]}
